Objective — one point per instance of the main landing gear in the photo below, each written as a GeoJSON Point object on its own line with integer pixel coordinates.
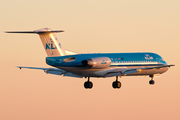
{"type": "Point", "coordinates": [151, 82]}
{"type": "Point", "coordinates": [88, 84]}
{"type": "Point", "coordinates": [116, 84]}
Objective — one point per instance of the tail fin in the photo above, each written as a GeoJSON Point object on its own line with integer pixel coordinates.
{"type": "Point", "coordinates": [50, 42]}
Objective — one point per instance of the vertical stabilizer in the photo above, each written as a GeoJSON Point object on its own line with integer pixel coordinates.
{"type": "Point", "coordinates": [50, 42]}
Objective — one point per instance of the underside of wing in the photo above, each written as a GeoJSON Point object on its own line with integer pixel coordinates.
{"type": "Point", "coordinates": [127, 71]}
{"type": "Point", "coordinates": [156, 67]}
{"type": "Point", "coordinates": [54, 71]}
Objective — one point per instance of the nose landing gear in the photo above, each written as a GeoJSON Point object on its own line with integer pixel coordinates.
{"type": "Point", "coordinates": [151, 82]}
{"type": "Point", "coordinates": [88, 84]}
{"type": "Point", "coordinates": [116, 84]}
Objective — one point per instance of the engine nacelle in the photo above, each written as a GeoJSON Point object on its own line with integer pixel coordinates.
{"type": "Point", "coordinates": [99, 62]}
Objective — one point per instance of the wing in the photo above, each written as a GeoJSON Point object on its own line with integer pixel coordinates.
{"type": "Point", "coordinates": [126, 71]}
{"type": "Point", "coordinates": [54, 71]}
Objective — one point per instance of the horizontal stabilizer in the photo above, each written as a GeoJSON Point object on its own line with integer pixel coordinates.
{"type": "Point", "coordinates": [35, 32]}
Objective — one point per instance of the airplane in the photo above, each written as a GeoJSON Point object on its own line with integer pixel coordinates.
{"type": "Point", "coordinates": [100, 65]}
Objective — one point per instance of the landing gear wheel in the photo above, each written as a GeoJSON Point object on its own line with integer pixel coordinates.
{"type": "Point", "coordinates": [88, 85]}
{"type": "Point", "coordinates": [116, 84]}
{"type": "Point", "coordinates": [151, 82]}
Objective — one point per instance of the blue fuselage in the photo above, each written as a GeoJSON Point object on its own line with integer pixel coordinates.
{"type": "Point", "coordinates": [118, 60]}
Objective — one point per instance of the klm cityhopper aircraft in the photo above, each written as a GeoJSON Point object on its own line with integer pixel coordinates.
{"type": "Point", "coordinates": [72, 64]}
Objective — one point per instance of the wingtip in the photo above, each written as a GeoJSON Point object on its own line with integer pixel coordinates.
{"type": "Point", "coordinates": [171, 65]}
{"type": "Point", "coordinates": [19, 67]}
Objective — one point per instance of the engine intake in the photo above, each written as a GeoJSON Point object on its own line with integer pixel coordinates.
{"type": "Point", "coordinates": [99, 62]}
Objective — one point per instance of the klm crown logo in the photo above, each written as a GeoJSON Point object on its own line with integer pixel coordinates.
{"type": "Point", "coordinates": [103, 62]}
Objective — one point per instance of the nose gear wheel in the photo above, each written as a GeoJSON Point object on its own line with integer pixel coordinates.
{"type": "Point", "coordinates": [151, 82]}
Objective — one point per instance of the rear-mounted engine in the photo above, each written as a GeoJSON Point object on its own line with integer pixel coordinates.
{"type": "Point", "coordinates": [99, 62]}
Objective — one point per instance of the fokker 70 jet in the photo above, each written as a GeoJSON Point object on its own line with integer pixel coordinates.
{"type": "Point", "coordinates": [72, 64]}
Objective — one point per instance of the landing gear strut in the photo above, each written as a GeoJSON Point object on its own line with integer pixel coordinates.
{"type": "Point", "coordinates": [151, 82]}
{"type": "Point", "coordinates": [88, 84]}
{"type": "Point", "coordinates": [116, 84]}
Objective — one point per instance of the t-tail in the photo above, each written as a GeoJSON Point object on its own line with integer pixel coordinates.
{"type": "Point", "coordinates": [50, 42]}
